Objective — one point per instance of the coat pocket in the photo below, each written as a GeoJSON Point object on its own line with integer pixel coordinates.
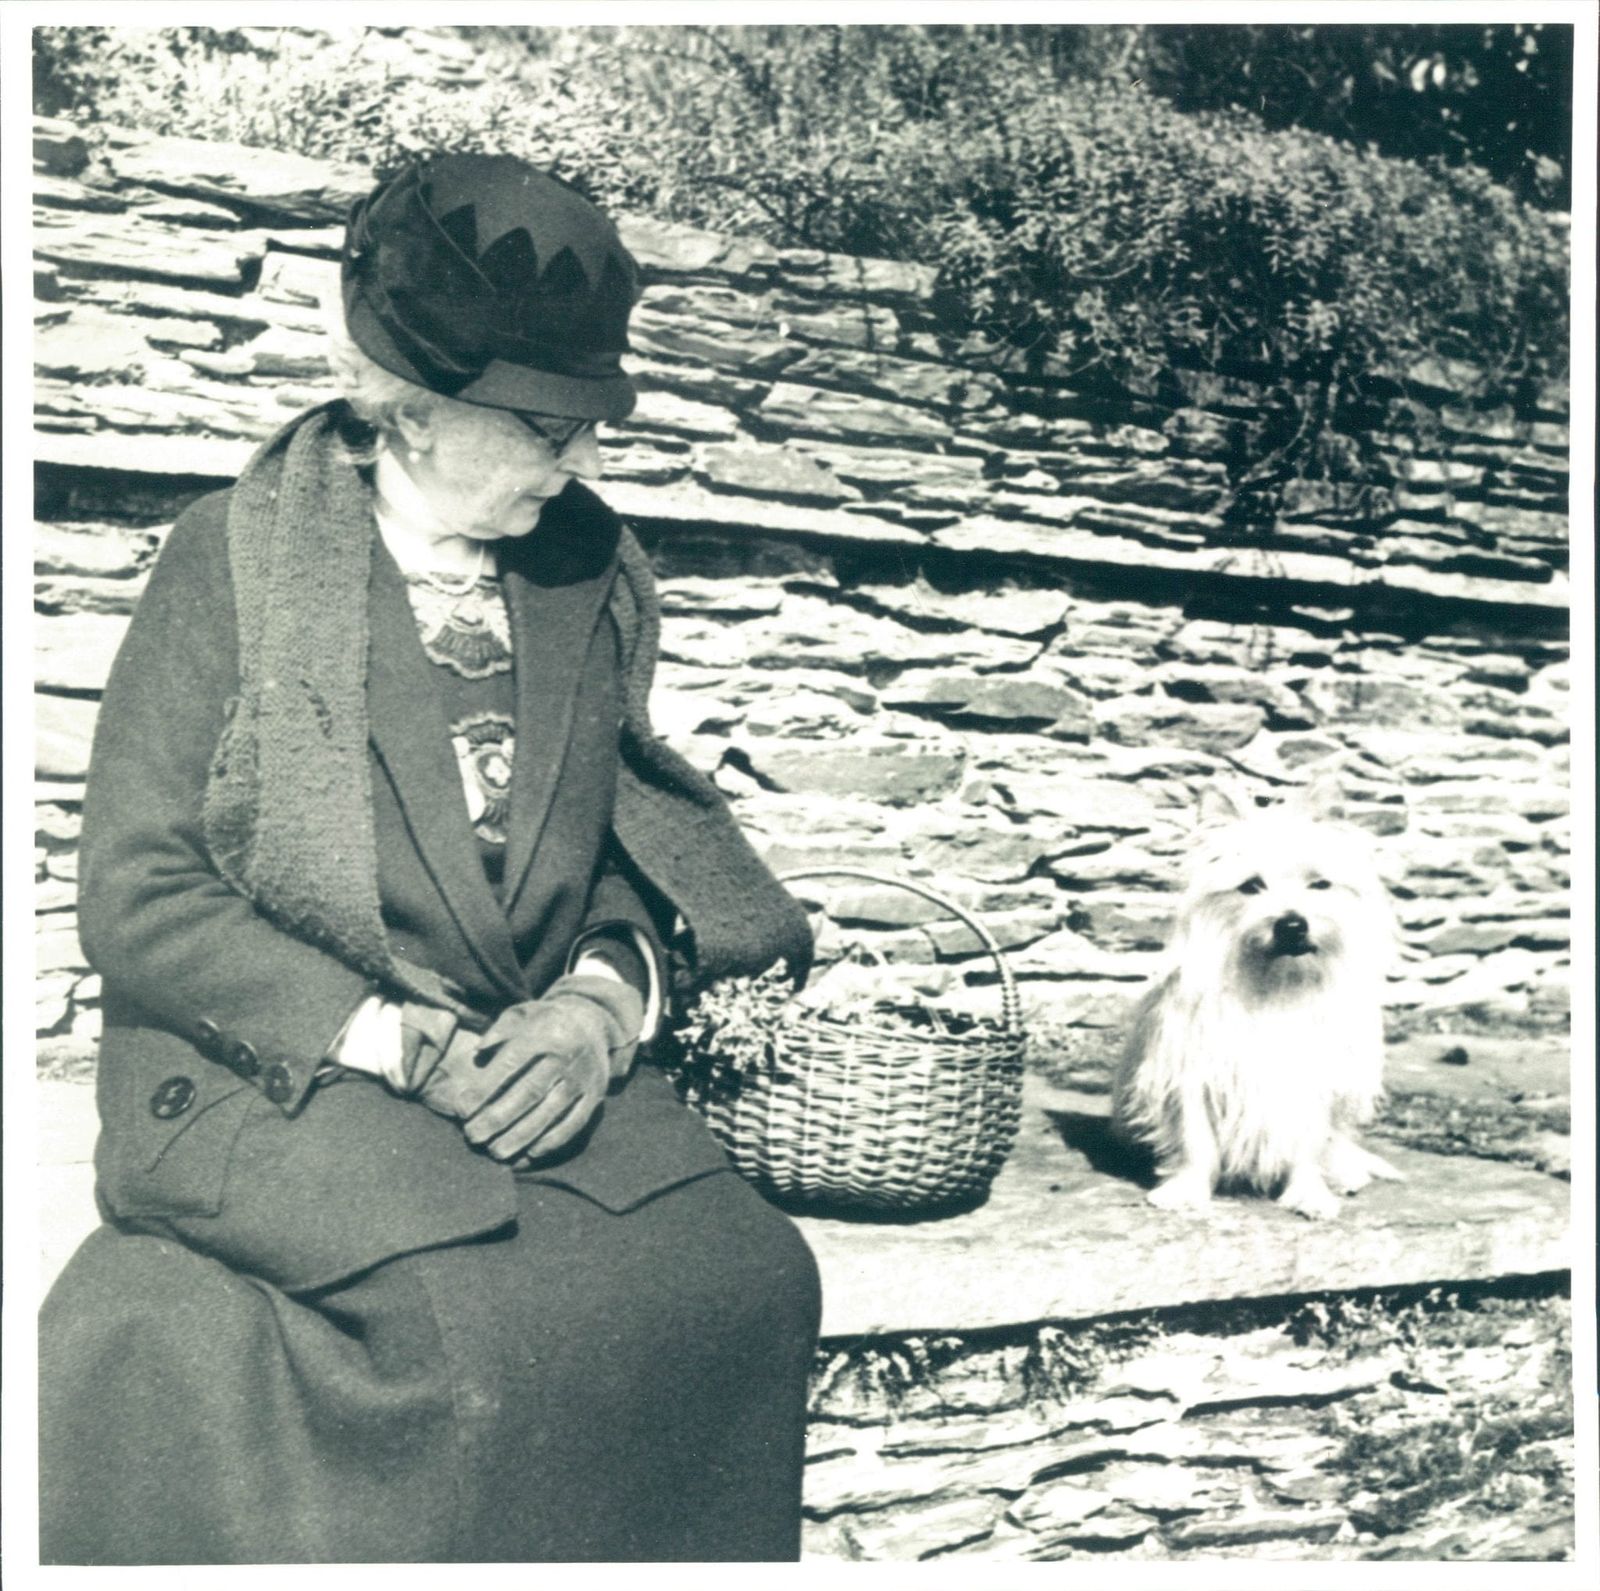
{"type": "Point", "coordinates": [169, 1121]}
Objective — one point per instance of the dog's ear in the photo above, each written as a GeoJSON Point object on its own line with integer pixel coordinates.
{"type": "Point", "coordinates": [1215, 806]}
{"type": "Point", "coordinates": [1322, 797]}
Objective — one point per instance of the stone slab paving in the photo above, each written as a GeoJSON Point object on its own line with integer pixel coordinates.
{"type": "Point", "coordinates": [1066, 1233]}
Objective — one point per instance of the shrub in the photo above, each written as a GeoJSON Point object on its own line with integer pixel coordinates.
{"type": "Point", "coordinates": [327, 96]}
{"type": "Point", "coordinates": [1497, 96]}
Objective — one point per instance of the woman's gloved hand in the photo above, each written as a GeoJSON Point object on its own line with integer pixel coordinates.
{"type": "Point", "coordinates": [533, 1081]}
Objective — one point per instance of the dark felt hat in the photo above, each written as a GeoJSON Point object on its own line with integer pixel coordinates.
{"type": "Point", "coordinates": [488, 280]}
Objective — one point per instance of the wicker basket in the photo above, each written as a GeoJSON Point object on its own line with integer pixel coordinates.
{"type": "Point", "coordinates": [873, 1116]}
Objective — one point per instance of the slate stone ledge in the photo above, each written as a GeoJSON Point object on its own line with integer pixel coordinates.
{"type": "Point", "coordinates": [209, 462]}
{"type": "Point", "coordinates": [206, 461]}
{"type": "Point", "coordinates": [1065, 1233]}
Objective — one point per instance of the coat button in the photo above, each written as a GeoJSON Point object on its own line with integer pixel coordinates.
{"type": "Point", "coordinates": [279, 1083]}
{"type": "Point", "coordinates": [244, 1060]}
{"type": "Point", "coordinates": [172, 1098]}
{"type": "Point", "coordinates": [208, 1038]}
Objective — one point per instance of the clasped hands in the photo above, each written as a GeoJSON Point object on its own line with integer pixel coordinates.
{"type": "Point", "coordinates": [531, 1083]}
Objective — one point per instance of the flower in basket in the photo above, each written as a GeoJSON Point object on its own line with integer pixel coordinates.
{"type": "Point", "coordinates": [733, 1027]}
{"type": "Point", "coordinates": [730, 1028]}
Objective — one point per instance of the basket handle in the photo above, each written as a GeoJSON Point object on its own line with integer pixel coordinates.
{"type": "Point", "coordinates": [1010, 1000]}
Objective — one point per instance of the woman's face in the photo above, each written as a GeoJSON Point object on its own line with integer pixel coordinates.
{"type": "Point", "coordinates": [488, 474]}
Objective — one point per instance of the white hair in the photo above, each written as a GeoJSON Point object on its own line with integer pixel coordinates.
{"type": "Point", "coordinates": [375, 395]}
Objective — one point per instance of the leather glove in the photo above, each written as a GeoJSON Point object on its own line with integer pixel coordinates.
{"type": "Point", "coordinates": [534, 1080]}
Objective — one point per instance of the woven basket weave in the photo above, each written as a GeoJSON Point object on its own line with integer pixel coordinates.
{"type": "Point", "coordinates": [868, 1114]}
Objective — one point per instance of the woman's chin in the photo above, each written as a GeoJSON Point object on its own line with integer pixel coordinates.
{"type": "Point", "coordinates": [515, 521]}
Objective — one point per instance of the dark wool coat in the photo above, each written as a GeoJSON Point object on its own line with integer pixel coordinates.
{"type": "Point", "coordinates": [220, 1151]}
{"type": "Point", "coordinates": [195, 979]}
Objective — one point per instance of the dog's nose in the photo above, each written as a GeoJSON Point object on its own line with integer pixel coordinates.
{"type": "Point", "coordinates": [1290, 934]}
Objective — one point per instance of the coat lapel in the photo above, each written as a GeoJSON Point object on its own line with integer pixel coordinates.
{"type": "Point", "coordinates": [408, 728]}
{"type": "Point", "coordinates": [556, 585]}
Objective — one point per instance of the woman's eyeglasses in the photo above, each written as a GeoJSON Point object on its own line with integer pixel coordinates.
{"type": "Point", "coordinates": [557, 433]}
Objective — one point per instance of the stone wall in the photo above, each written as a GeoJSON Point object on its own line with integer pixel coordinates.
{"type": "Point", "coordinates": [923, 616]}
{"type": "Point", "coordinates": [1434, 1425]}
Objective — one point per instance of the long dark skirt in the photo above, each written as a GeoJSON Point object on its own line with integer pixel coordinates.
{"type": "Point", "coordinates": [587, 1387]}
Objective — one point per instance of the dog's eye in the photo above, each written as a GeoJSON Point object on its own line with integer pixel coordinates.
{"type": "Point", "coordinates": [1319, 883]}
{"type": "Point", "coordinates": [1252, 886]}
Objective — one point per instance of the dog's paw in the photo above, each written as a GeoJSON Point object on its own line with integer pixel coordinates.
{"type": "Point", "coordinates": [1188, 1194]}
{"type": "Point", "coordinates": [1350, 1168]}
{"type": "Point", "coordinates": [1380, 1168]}
{"type": "Point", "coordinates": [1315, 1200]}
{"type": "Point", "coordinates": [1346, 1172]}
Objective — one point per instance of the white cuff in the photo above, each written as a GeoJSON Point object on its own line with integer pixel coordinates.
{"type": "Point", "coordinates": [371, 1041]}
{"type": "Point", "coordinates": [587, 962]}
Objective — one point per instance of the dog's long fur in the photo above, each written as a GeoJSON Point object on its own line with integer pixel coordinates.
{"type": "Point", "coordinates": [1258, 1050]}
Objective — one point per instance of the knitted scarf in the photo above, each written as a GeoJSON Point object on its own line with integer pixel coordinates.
{"type": "Point", "coordinates": [288, 806]}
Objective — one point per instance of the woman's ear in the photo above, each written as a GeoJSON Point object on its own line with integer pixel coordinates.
{"type": "Point", "coordinates": [413, 422]}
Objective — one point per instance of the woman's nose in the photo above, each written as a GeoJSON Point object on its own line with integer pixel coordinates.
{"type": "Point", "coordinates": [581, 456]}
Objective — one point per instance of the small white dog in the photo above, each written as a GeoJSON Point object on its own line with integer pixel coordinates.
{"type": "Point", "coordinates": [1259, 1050]}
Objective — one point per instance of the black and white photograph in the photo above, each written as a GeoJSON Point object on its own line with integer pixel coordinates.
{"type": "Point", "coordinates": [809, 786]}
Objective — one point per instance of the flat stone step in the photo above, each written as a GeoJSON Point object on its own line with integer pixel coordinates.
{"type": "Point", "coordinates": [1065, 1233]}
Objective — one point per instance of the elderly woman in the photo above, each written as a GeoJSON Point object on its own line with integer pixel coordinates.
{"type": "Point", "coordinates": [407, 1256]}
